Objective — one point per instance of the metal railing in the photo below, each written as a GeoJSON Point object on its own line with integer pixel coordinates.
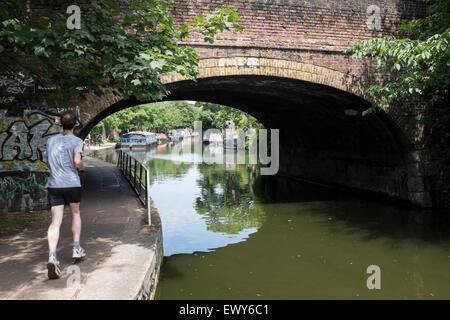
{"type": "Point", "coordinates": [138, 175]}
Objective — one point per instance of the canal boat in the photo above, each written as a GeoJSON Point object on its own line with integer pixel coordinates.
{"type": "Point", "coordinates": [234, 143]}
{"type": "Point", "coordinates": [137, 140]}
{"type": "Point", "coordinates": [230, 144]}
{"type": "Point", "coordinates": [162, 138]}
{"type": "Point", "coordinates": [213, 139]}
{"type": "Point", "coordinates": [175, 136]}
{"type": "Point", "coordinates": [231, 137]}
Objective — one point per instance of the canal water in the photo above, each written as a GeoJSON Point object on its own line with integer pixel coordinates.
{"type": "Point", "coordinates": [230, 233]}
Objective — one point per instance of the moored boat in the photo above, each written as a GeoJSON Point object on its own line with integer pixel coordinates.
{"type": "Point", "coordinates": [137, 139]}
{"type": "Point", "coordinates": [213, 138]}
{"type": "Point", "coordinates": [162, 138]}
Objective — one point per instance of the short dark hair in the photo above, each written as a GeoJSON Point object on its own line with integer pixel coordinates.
{"type": "Point", "coordinates": [68, 120]}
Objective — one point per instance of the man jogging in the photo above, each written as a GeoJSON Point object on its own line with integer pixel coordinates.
{"type": "Point", "coordinates": [64, 158]}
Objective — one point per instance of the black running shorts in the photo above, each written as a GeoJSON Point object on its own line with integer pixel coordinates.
{"type": "Point", "coordinates": [62, 196]}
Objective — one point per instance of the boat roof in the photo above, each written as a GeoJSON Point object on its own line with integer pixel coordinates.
{"type": "Point", "coordinates": [144, 133]}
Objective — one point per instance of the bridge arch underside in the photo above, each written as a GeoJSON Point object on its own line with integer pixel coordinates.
{"type": "Point", "coordinates": [323, 137]}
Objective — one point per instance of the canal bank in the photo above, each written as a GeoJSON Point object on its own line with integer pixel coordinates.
{"type": "Point", "coordinates": [90, 150]}
{"type": "Point", "coordinates": [123, 253]}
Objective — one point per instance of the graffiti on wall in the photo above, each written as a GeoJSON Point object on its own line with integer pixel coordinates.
{"type": "Point", "coordinates": [16, 85]}
{"type": "Point", "coordinates": [24, 134]}
{"type": "Point", "coordinates": [43, 106]}
{"type": "Point", "coordinates": [22, 193]}
{"type": "Point", "coordinates": [27, 121]}
{"type": "Point", "coordinates": [23, 139]}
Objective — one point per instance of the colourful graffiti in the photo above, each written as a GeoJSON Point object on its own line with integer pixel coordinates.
{"type": "Point", "coordinates": [23, 140]}
{"type": "Point", "coordinates": [26, 123]}
{"type": "Point", "coordinates": [23, 193]}
{"type": "Point", "coordinates": [12, 187]}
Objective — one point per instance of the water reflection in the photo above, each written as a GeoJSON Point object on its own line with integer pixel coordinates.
{"type": "Point", "coordinates": [227, 201]}
{"type": "Point", "coordinates": [203, 207]}
{"type": "Point", "coordinates": [230, 233]}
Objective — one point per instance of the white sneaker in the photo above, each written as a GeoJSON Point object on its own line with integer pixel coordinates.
{"type": "Point", "coordinates": [78, 254]}
{"type": "Point", "coordinates": [54, 271]}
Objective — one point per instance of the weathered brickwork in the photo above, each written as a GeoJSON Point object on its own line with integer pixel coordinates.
{"type": "Point", "coordinates": [288, 70]}
{"type": "Point", "coordinates": [299, 24]}
{"type": "Point", "coordinates": [248, 65]}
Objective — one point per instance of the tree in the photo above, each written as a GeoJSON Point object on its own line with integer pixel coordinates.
{"type": "Point", "coordinates": [170, 115]}
{"type": "Point", "coordinates": [215, 116]}
{"type": "Point", "coordinates": [226, 200]}
{"type": "Point", "coordinates": [420, 62]}
{"type": "Point", "coordinates": [125, 50]}
{"type": "Point", "coordinates": [111, 125]}
{"type": "Point", "coordinates": [98, 129]}
{"type": "Point", "coordinates": [420, 65]}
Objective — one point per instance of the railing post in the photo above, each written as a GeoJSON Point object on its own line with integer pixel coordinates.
{"type": "Point", "coordinates": [125, 170]}
{"type": "Point", "coordinates": [140, 180]}
{"type": "Point", "coordinates": [129, 168]}
{"type": "Point", "coordinates": [126, 165]}
{"type": "Point", "coordinates": [131, 171]}
{"type": "Point", "coordinates": [147, 192]}
{"type": "Point", "coordinates": [135, 171]}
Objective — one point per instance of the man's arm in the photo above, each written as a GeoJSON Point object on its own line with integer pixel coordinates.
{"type": "Point", "coordinates": [78, 162]}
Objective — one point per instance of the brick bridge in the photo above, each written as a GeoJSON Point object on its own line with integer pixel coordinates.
{"type": "Point", "coordinates": [287, 70]}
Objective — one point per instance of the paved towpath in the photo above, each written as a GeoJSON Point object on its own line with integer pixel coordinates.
{"type": "Point", "coordinates": [120, 247]}
{"type": "Point", "coordinates": [88, 150]}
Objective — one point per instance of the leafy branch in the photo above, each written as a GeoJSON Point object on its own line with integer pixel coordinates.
{"type": "Point", "coordinates": [124, 50]}
{"type": "Point", "coordinates": [420, 64]}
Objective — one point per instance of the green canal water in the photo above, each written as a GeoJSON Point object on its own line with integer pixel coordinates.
{"type": "Point", "coordinates": [230, 233]}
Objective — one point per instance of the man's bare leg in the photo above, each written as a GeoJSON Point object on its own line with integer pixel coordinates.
{"type": "Point", "coordinates": [53, 230]}
{"type": "Point", "coordinates": [54, 271]}
{"type": "Point", "coordinates": [78, 252]}
{"type": "Point", "coordinates": [76, 221]}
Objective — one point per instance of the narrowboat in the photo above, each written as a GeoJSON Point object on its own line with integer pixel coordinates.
{"type": "Point", "coordinates": [137, 139]}
{"type": "Point", "coordinates": [162, 138]}
{"type": "Point", "coordinates": [213, 139]}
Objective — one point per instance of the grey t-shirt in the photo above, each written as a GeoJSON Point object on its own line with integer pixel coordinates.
{"type": "Point", "coordinates": [60, 153]}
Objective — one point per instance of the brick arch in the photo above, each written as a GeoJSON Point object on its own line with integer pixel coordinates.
{"type": "Point", "coordinates": [275, 67]}
{"type": "Point", "coordinates": [96, 108]}
{"type": "Point", "coordinates": [361, 153]}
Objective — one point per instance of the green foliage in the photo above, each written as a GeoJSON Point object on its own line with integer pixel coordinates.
{"type": "Point", "coordinates": [437, 21]}
{"type": "Point", "coordinates": [420, 64]}
{"type": "Point", "coordinates": [166, 116]}
{"type": "Point", "coordinates": [215, 116]}
{"type": "Point", "coordinates": [226, 200]}
{"type": "Point", "coordinates": [98, 129]}
{"type": "Point", "coordinates": [105, 52]}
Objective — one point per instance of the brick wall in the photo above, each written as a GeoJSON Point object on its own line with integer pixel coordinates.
{"type": "Point", "coordinates": [299, 40]}
{"type": "Point", "coordinates": [304, 25]}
